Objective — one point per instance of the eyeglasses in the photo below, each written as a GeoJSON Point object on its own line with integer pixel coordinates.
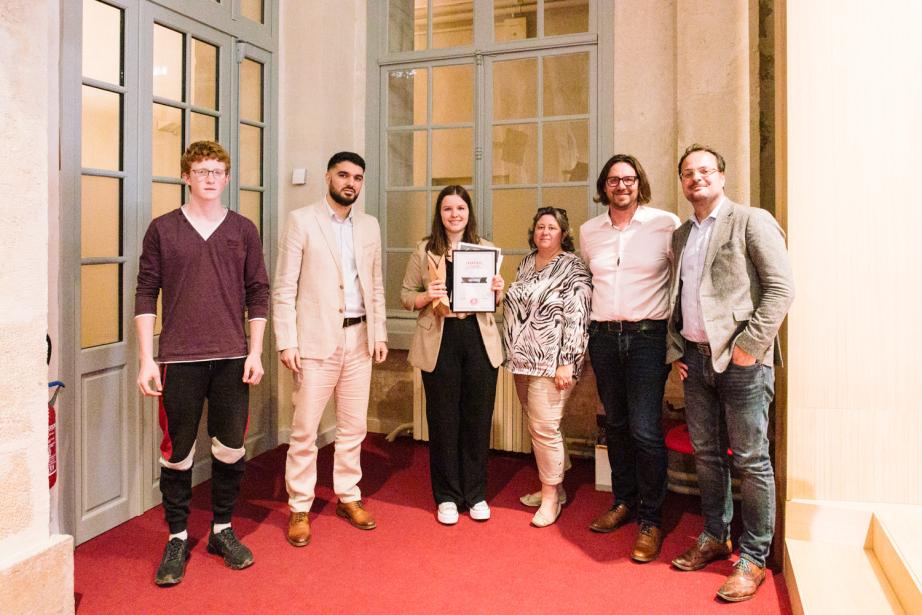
{"type": "Point", "coordinates": [201, 174]}
{"type": "Point", "coordinates": [627, 180]}
{"type": "Point", "coordinates": [704, 172]}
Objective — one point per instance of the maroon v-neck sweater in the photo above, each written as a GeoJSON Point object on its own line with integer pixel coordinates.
{"type": "Point", "coordinates": [208, 286]}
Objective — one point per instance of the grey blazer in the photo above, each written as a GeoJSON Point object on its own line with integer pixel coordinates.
{"type": "Point", "coordinates": [746, 286]}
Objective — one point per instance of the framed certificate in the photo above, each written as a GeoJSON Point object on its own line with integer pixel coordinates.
{"type": "Point", "coordinates": [472, 281]}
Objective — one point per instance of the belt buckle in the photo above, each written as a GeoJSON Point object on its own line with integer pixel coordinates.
{"type": "Point", "coordinates": [620, 326]}
{"type": "Point", "coordinates": [703, 348]}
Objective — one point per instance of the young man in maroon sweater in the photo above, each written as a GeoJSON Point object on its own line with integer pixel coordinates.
{"type": "Point", "coordinates": [208, 264]}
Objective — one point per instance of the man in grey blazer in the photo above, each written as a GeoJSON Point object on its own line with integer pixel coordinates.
{"type": "Point", "coordinates": [732, 287]}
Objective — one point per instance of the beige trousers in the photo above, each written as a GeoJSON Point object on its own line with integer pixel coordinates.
{"type": "Point", "coordinates": [544, 404]}
{"type": "Point", "coordinates": [347, 376]}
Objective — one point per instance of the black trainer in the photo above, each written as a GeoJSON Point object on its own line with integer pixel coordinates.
{"type": "Point", "coordinates": [173, 565]}
{"type": "Point", "coordinates": [225, 544]}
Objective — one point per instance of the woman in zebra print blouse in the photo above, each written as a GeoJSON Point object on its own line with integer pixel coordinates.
{"type": "Point", "coordinates": [545, 333]}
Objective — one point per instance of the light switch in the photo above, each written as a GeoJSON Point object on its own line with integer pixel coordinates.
{"type": "Point", "coordinates": [299, 177]}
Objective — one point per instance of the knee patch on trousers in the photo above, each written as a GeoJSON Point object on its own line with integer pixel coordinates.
{"type": "Point", "coordinates": [181, 465]}
{"type": "Point", "coordinates": [225, 454]}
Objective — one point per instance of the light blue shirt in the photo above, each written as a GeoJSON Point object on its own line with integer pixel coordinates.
{"type": "Point", "coordinates": [343, 230]}
{"type": "Point", "coordinates": [692, 267]}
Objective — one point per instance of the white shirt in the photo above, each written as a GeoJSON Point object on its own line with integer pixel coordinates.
{"type": "Point", "coordinates": [630, 267]}
{"type": "Point", "coordinates": [352, 291]}
{"type": "Point", "coordinates": [692, 267]}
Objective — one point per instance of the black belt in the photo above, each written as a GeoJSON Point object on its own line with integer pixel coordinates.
{"type": "Point", "coordinates": [348, 322]}
{"type": "Point", "coordinates": [702, 347]}
{"type": "Point", "coordinates": [627, 326]}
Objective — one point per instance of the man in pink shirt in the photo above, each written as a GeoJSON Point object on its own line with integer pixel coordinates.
{"type": "Point", "coordinates": [628, 253]}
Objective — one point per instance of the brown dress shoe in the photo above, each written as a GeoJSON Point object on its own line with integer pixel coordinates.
{"type": "Point", "coordinates": [299, 529]}
{"type": "Point", "coordinates": [611, 519]}
{"type": "Point", "coordinates": [355, 513]}
{"type": "Point", "coordinates": [743, 582]}
{"type": "Point", "coordinates": [649, 542]}
{"type": "Point", "coordinates": [706, 550]}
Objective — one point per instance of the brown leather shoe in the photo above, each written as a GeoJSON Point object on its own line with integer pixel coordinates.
{"type": "Point", "coordinates": [611, 519]}
{"type": "Point", "coordinates": [743, 582]}
{"type": "Point", "coordinates": [706, 550]}
{"type": "Point", "coordinates": [299, 529]}
{"type": "Point", "coordinates": [649, 542]}
{"type": "Point", "coordinates": [355, 513]}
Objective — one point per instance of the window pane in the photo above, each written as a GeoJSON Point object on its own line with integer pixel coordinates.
{"type": "Point", "coordinates": [453, 94]}
{"type": "Point", "coordinates": [511, 263]}
{"type": "Point", "coordinates": [452, 156]}
{"type": "Point", "coordinates": [101, 132]}
{"type": "Point", "coordinates": [406, 158]}
{"type": "Point", "coordinates": [452, 23]}
{"type": "Point", "coordinates": [566, 151]}
{"type": "Point", "coordinates": [164, 198]}
{"type": "Point", "coordinates": [406, 96]}
{"type": "Point", "coordinates": [396, 268]}
{"type": "Point", "coordinates": [574, 199]}
{"type": "Point", "coordinates": [515, 20]}
{"type": "Point", "coordinates": [565, 17]}
{"type": "Point", "coordinates": [168, 64]}
{"type": "Point", "coordinates": [100, 217]}
{"type": "Point", "coordinates": [251, 91]}
{"type": "Point", "coordinates": [515, 89]}
{"type": "Point", "coordinates": [251, 206]}
{"type": "Point", "coordinates": [100, 304]}
{"type": "Point", "coordinates": [407, 221]}
{"type": "Point", "coordinates": [515, 154]}
{"type": "Point", "coordinates": [166, 141]}
{"type": "Point", "coordinates": [102, 42]}
{"type": "Point", "coordinates": [203, 128]}
{"type": "Point", "coordinates": [406, 25]}
{"type": "Point", "coordinates": [252, 10]}
{"type": "Point", "coordinates": [566, 84]}
{"type": "Point", "coordinates": [512, 214]}
{"type": "Point", "coordinates": [251, 155]}
{"type": "Point", "coordinates": [204, 75]}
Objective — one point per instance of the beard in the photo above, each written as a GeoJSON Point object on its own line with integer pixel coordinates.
{"type": "Point", "coordinates": [342, 199]}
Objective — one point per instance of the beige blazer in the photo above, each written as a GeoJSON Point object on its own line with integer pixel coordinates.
{"type": "Point", "coordinates": [746, 286]}
{"type": "Point", "coordinates": [427, 338]}
{"type": "Point", "coordinates": [308, 300]}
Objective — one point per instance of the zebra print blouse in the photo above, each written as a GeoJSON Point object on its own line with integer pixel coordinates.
{"type": "Point", "coordinates": [546, 316]}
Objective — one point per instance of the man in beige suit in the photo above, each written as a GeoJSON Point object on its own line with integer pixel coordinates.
{"type": "Point", "coordinates": [328, 311]}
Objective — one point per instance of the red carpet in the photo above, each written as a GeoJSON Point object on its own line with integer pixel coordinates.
{"type": "Point", "coordinates": [410, 563]}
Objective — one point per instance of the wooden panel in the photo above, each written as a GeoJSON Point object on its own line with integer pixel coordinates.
{"type": "Point", "coordinates": [103, 445]}
{"type": "Point", "coordinates": [853, 397]}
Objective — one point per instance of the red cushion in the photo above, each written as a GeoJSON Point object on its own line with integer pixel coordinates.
{"type": "Point", "coordinates": [678, 440]}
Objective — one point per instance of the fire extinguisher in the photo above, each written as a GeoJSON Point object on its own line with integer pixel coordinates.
{"type": "Point", "coordinates": [57, 385]}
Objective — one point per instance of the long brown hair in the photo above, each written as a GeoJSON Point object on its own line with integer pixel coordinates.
{"type": "Point", "coordinates": [643, 189]}
{"type": "Point", "coordinates": [437, 242]}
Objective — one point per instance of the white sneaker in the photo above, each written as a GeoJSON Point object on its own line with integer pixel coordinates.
{"type": "Point", "coordinates": [480, 511]}
{"type": "Point", "coordinates": [448, 513]}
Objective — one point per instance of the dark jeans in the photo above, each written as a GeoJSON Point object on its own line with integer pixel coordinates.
{"type": "Point", "coordinates": [630, 371]}
{"type": "Point", "coordinates": [724, 409]}
{"type": "Point", "coordinates": [186, 386]}
{"type": "Point", "coordinates": [459, 411]}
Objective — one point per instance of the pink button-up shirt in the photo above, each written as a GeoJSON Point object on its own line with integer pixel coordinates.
{"type": "Point", "coordinates": [630, 267]}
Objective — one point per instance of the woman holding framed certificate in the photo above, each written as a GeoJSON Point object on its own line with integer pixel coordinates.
{"type": "Point", "coordinates": [458, 353]}
{"type": "Point", "coordinates": [545, 332]}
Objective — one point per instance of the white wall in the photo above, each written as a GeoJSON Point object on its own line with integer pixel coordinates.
{"type": "Point", "coordinates": [36, 569]}
{"type": "Point", "coordinates": [854, 131]}
{"type": "Point", "coordinates": [321, 109]}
